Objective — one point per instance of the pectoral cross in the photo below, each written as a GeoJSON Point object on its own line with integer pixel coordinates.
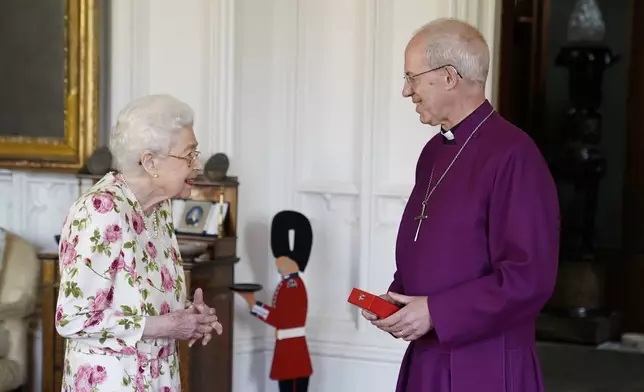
{"type": "Point", "coordinates": [420, 218]}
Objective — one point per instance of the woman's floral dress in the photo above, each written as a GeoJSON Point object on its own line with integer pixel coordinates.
{"type": "Point", "coordinates": [112, 275]}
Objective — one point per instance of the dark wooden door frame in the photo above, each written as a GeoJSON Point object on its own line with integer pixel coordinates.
{"type": "Point", "coordinates": [633, 207]}
{"type": "Point", "coordinates": [523, 63]}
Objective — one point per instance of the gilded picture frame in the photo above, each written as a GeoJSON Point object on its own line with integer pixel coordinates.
{"type": "Point", "coordinates": [31, 133]}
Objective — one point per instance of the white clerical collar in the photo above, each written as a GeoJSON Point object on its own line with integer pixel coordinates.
{"type": "Point", "coordinates": [447, 134]}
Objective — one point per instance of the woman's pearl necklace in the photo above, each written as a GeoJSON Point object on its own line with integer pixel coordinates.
{"type": "Point", "coordinates": [155, 215]}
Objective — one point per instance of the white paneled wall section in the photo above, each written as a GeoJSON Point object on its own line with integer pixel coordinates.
{"type": "Point", "coordinates": [342, 149]}
{"type": "Point", "coordinates": [304, 97]}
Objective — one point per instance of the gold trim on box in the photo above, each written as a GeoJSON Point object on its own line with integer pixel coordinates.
{"type": "Point", "coordinates": [81, 101]}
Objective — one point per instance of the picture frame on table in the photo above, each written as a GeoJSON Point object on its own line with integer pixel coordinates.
{"type": "Point", "coordinates": [203, 218]}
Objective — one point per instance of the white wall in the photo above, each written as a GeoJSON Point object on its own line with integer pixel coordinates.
{"type": "Point", "coordinates": [304, 97]}
{"type": "Point", "coordinates": [320, 89]}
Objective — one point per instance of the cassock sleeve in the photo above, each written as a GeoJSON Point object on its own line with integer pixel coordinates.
{"type": "Point", "coordinates": [396, 285]}
{"type": "Point", "coordinates": [523, 241]}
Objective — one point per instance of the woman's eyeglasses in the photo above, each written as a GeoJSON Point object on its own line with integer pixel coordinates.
{"type": "Point", "coordinates": [191, 158]}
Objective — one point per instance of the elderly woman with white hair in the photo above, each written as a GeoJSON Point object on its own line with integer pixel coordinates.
{"type": "Point", "coordinates": [122, 299]}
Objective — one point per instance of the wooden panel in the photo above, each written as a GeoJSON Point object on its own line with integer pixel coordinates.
{"type": "Point", "coordinates": [214, 359]}
{"type": "Point", "coordinates": [184, 350]}
{"type": "Point", "coordinates": [48, 311]}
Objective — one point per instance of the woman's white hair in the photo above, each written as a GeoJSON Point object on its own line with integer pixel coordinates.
{"type": "Point", "coordinates": [459, 44]}
{"type": "Point", "coordinates": [149, 123]}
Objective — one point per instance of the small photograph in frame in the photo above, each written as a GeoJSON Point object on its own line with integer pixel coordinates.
{"type": "Point", "coordinates": [194, 217]}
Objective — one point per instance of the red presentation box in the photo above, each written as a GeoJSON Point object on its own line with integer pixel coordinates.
{"type": "Point", "coordinates": [372, 303]}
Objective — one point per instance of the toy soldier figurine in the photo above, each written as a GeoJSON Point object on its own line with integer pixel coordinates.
{"type": "Point", "coordinates": [291, 361]}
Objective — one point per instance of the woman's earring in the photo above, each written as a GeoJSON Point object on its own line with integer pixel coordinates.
{"type": "Point", "coordinates": [155, 175]}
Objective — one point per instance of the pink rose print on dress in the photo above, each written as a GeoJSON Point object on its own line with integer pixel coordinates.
{"type": "Point", "coordinates": [88, 377]}
{"type": "Point", "coordinates": [93, 320]}
{"type": "Point", "coordinates": [166, 279]}
{"type": "Point", "coordinates": [166, 389]}
{"type": "Point", "coordinates": [103, 203]}
{"type": "Point", "coordinates": [155, 368]}
{"type": "Point", "coordinates": [137, 222]}
{"type": "Point", "coordinates": [151, 249]}
{"type": "Point", "coordinates": [139, 382]}
{"type": "Point", "coordinates": [102, 300]}
{"type": "Point", "coordinates": [117, 265]}
{"type": "Point", "coordinates": [165, 308]}
{"type": "Point", "coordinates": [81, 381]}
{"type": "Point", "coordinates": [67, 253]}
{"type": "Point", "coordinates": [128, 350]}
{"type": "Point", "coordinates": [142, 362]}
{"type": "Point", "coordinates": [113, 233]}
{"type": "Point", "coordinates": [59, 313]}
{"type": "Point", "coordinates": [130, 270]}
{"type": "Point", "coordinates": [175, 255]}
{"type": "Point", "coordinates": [99, 375]}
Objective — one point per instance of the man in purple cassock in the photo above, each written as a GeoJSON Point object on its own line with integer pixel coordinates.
{"type": "Point", "coordinates": [478, 242]}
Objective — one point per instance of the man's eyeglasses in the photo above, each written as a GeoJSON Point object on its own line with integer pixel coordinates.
{"type": "Point", "coordinates": [409, 78]}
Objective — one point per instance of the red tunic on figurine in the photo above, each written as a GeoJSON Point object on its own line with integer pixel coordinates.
{"type": "Point", "coordinates": [291, 359]}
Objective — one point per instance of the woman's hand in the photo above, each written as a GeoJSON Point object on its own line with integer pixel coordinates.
{"type": "Point", "coordinates": [200, 307]}
{"type": "Point", "coordinates": [195, 322]}
{"type": "Point", "coordinates": [188, 324]}
{"type": "Point", "coordinates": [184, 324]}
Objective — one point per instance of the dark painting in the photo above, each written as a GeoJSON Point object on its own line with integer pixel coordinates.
{"type": "Point", "coordinates": [32, 67]}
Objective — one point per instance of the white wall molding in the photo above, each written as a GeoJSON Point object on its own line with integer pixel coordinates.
{"type": "Point", "coordinates": [486, 16]}
{"type": "Point", "coordinates": [330, 69]}
{"type": "Point", "coordinates": [367, 157]}
{"type": "Point", "coordinates": [219, 75]}
{"type": "Point", "coordinates": [251, 345]}
{"type": "Point", "coordinates": [329, 187]}
{"type": "Point", "coordinates": [10, 207]}
{"type": "Point", "coordinates": [139, 20]}
{"type": "Point", "coordinates": [128, 53]}
{"type": "Point", "coordinates": [365, 352]}
{"type": "Point", "coordinates": [283, 103]}
{"type": "Point", "coordinates": [36, 204]}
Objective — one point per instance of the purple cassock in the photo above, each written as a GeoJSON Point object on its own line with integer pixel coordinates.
{"type": "Point", "coordinates": [485, 256]}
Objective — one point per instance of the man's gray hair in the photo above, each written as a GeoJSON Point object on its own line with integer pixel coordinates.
{"type": "Point", "coordinates": [149, 123]}
{"type": "Point", "coordinates": [459, 44]}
